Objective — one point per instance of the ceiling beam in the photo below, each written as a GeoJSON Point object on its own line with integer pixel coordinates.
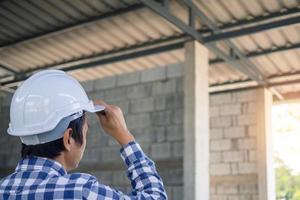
{"type": "Point", "coordinates": [162, 44]}
{"type": "Point", "coordinates": [253, 72]}
{"type": "Point", "coordinates": [7, 89]}
{"type": "Point", "coordinates": [189, 29]}
{"type": "Point", "coordinates": [8, 69]}
{"type": "Point", "coordinates": [245, 66]}
{"type": "Point", "coordinates": [276, 81]}
{"type": "Point", "coordinates": [234, 51]}
{"type": "Point", "coordinates": [261, 52]}
{"type": "Point", "coordinates": [291, 97]}
{"type": "Point", "coordinates": [136, 51]}
{"type": "Point", "coordinates": [284, 12]}
{"type": "Point", "coordinates": [252, 30]}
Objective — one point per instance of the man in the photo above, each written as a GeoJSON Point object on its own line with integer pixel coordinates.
{"type": "Point", "coordinates": [48, 113]}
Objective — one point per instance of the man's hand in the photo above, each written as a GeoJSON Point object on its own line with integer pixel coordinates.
{"type": "Point", "coordinates": [113, 122]}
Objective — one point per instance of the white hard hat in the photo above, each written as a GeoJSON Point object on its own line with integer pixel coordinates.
{"type": "Point", "coordinates": [45, 99]}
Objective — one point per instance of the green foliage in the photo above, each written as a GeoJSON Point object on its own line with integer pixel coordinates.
{"type": "Point", "coordinates": [287, 184]}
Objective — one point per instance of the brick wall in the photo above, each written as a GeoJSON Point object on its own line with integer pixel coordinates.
{"type": "Point", "coordinates": [152, 102]}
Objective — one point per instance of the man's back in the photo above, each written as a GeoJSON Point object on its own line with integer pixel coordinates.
{"type": "Point", "coordinates": [39, 178]}
{"type": "Point", "coordinates": [42, 178]}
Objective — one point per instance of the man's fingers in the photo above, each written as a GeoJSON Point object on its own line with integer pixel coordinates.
{"type": "Point", "coordinates": [102, 103]}
{"type": "Point", "coordinates": [108, 108]}
{"type": "Point", "coordinates": [103, 118]}
{"type": "Point", "coordinates": [99, 102]}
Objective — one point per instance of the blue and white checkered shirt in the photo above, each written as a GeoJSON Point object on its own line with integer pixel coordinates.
{"type": "Point", "coordinates": [42, 178]}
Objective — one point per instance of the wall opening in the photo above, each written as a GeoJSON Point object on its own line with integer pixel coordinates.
{"type": "Point", "coordinates": [286, 146]}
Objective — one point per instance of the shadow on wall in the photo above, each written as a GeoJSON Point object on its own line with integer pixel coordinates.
{"type": "Point", "coordinates": [10, 147]}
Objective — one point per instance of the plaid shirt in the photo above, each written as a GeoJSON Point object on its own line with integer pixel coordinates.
{"type": "Point", "coordinates": [41, 178]}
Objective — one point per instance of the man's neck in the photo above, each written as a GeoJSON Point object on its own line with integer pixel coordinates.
{"type": "Point", "coordinates": [61, 159]}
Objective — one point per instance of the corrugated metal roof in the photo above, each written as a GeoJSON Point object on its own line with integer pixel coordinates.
{"type": "Point", "coordinates": [230, 11]}
{"type": "Point", "coordinates": [95, 38]}
{"type": "Point", "coordinates": [24, 19]}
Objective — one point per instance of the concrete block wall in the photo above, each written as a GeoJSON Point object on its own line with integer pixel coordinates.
{"type": "Point", "coordinates": [233, 155]}
{"type": "Point", "coordinates": [9, 146]}
{"type": "Point", "coordinates": [152, 102]}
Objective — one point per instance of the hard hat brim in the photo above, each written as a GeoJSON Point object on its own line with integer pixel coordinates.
{"type": "Point", "coordinates": [97, 108]}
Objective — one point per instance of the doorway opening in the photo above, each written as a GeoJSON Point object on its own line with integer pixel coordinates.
{"type": "Point", "coordinates": [286, 147]}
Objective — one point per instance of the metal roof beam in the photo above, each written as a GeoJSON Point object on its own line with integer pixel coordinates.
{"type": "Point", "coordinates": [274, 81]}
{"type": "Point", "coordinates": [7, 89]}
{"type": "Point", "coordinates": [258, 76]}
{"type": "Point", "coordinates": [262, 52]}
{"type": "Point", "coordinates": [136, 51]}
{"type": "Point", "coordinates": [286, 12]}
{"type": "Point", "coordinates": [190, 30]}
{"type": "Point", "coordinates": [248, 84]}
{"type": "Point", "coordinates": [290, 97]}
{"type": "Point", "coordinates": [234, 51]}
{"type": "Point", "coordinates": [157, 46]}
{"type": "Point", "coordinates": [252, 30]}
{"type": "Point", "coordinates": [8, 69]}
{"type": "Point", "coordinates": [246, 66]}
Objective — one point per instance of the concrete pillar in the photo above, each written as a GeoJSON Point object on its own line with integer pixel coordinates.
{"type": "Point", "coordinates": [196, 122]}
{"type": "Point", "coordinates": [266, 177]}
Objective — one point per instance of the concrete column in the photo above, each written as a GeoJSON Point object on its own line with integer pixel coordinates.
{"type": "Point", "coordinates": [196, 122]}
{"type": "Point", "coordinates": [266, 177]}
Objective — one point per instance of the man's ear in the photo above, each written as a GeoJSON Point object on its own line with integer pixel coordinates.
{"type": "Point", "coordinates": [67, 139]}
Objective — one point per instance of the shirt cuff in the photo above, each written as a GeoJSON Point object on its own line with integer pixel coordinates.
{"type": "Point", "coordinates": [131, 152]}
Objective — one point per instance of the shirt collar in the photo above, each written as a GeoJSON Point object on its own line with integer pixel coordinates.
{"type": "Point", "coordinates": [34, 163]}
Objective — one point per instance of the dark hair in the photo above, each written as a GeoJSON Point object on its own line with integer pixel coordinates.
{"type": "Point", "coordinates": [54, 148]}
